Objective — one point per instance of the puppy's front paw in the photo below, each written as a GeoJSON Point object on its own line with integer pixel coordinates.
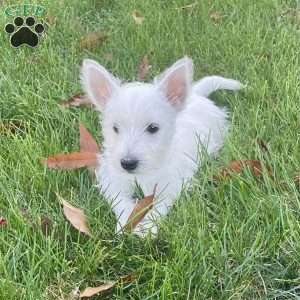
{"type": "Point", "coordinates": [119, 228]}
{"type": "Point", "coordinates": [121, 222]}
{"type": "Point", "coordinates": [145, 228]}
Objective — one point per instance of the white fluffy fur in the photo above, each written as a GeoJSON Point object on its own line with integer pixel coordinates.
{"type": "Point", "coordinates": [170, 157]}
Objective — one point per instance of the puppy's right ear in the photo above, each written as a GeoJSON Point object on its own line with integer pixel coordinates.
{"type": "Point", "coordinates": [98, 83]}
{"type": "Point", "coordinates": [176, 82]}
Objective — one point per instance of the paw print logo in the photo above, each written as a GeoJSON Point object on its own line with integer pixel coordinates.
{"type": "Point", "coordinates": [24, 33]}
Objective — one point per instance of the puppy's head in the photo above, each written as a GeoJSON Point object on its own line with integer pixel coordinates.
{"type": "Point", "coordinates": [139, 119]}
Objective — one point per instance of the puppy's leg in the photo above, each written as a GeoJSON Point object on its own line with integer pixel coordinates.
{"type": "Point", "coordinates": [122, 207]}
{"type": "Point", "coordinates": [149, 223]}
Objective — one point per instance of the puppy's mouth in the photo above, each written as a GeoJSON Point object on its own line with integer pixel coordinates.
{"type": "Point", "coordinates": [131, 172]}
{"type": "Point", "coordinates": [136, 171]}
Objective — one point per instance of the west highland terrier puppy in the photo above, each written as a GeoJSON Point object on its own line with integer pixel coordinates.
{"type": "Point", "coordinates": [152, 134]}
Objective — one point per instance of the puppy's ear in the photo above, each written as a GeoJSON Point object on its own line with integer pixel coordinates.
{"type": "Point", "coordinates": [176, 81]}
{"type": "Point", "coordinates": [98, 83]}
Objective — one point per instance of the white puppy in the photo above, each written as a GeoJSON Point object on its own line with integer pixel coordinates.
{"type": "Point", "coordinates": [152, 133]}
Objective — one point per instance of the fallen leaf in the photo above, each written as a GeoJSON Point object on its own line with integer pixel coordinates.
{"type": "Point", "coordinates": [87, 142]}
{"type": "Point", "coordinates": [76, 100]}
{"type": "Point", "coordinates": [71, 161]}
{"type": "Point", "coordinates": [91, 291]}
{"type": "Point", "coordinates": [237, 166]}
{"type": "Point", "coordinates": [215, 16]}
{"type": "Point", "coordinates": [140, 210]}
{"type": "Point", "coordinates": [262, 145]}
{"type": "Point", "coordinates": [137, 17]}
{"type": "Point", "coordinates": [127, 278]}
{"type": "Point", "coordinates": [12, 126]}
{"type": "Point", "coordinates": [3, 221]}
{"type": "Point", "coordinates": [92, 40]}
{"type": "Point", "coordinates": [46, 225]}
{"type": "Point", "coordinates": [75, 216]}
{"type": "Point", "coordinates": [187, 7]}
{"type": "Point", "coordinates": [143, 69]}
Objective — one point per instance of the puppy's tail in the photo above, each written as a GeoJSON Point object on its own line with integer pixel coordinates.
{"type": "Point", "coordinates": [209, 84]}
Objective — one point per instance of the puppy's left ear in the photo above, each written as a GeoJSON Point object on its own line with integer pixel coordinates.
{"type": "Point", "coordinates": [98, 83]}
{"type": "Point", "coordinates": [176, 81]}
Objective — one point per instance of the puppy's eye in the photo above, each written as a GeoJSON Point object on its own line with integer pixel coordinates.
{"type": "Point", "coordinates": [116, 129]}
{"type": "Point", "coordinates": [152, 128]}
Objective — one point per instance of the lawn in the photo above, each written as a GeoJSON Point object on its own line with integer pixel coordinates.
{"type": "Point", "coordinates": [238, 239]}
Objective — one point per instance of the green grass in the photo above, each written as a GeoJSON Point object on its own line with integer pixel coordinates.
{"type": "Point", "coordinates": [237, 240]}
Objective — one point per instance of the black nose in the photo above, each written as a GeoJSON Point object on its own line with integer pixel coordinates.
{"type": "Point", "coordinates": [129, 164]}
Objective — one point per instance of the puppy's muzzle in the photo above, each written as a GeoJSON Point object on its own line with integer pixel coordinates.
{"type": "Point", "coordinates": [129, 164]}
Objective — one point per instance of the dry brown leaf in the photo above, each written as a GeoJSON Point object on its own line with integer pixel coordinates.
{"type": "Point", "coordinates": [188, 6]}
{"type": "Point", "coordinates": [137, 17]}
{"type": "Point", "coordinates": [237, 166]}
{"type": "Point", "coordinates": [3, 221]}
{"type": "Point", "coordinates": [144, 67]}
{"type": "Point", "coordinates": [71, 161]}
{"type": "Point", "coordinates": [127, 278]}
{"type": "Point", "coordinates": [92, 40]}
{"type": "Point", "coordinates": [91, 291]}
{"type": "Point", "coordinates": [75, 216]}
{"type": "Point", "coordinates": [11, 127]}
{"type": "Point", "coordinates": [87, 142]}
{"type": "Point", "coordinates": [76, 100]}
{"type": "Point", "coordinates": [139, 211]}
{"type": "Point", "coordinates": [215, 16]}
